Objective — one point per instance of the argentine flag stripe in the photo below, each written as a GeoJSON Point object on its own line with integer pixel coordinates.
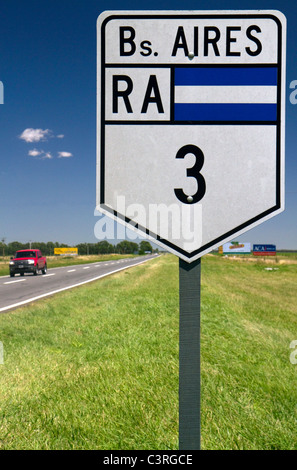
{"type": "Point", "coordinates": [226, 76]}
{"type": "Point", "coordinates": [225, 94]}
{"type": "Point", "coordinates": [225, 112]}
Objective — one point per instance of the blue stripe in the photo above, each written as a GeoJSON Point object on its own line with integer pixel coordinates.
{"type": "Point", "coordinates": [225, 112]}
{"type": "Point", "coordinates": [226, 76]}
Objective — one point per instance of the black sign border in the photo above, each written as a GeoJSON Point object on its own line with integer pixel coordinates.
{"type": "Point", "coordinates": [103, 122]}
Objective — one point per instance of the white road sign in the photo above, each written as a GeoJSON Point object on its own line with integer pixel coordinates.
{"type": "Point", "coordinates": [191, 123]}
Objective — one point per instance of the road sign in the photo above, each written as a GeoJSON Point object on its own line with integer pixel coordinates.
{"type": "Point", "coordinates": [190, 143]}
{"type": "Point", "coordinates": [191, 124]}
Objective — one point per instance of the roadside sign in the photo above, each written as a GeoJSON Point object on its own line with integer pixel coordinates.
{"type": "Point", "coordinates": [190, 129]}
{"type": "Point", "coordinates": [264, 250]}
{"type": "Point", "coordinates": [190, 143]}
{"type": "Point", "coordinates": [236, 248]}
{"type": "Point", "coordinates": [66, 251]}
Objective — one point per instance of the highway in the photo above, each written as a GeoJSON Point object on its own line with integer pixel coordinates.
{"type": "Point", "coordinates": [20, 290]}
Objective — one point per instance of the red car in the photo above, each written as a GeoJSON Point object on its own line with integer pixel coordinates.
{"type": "Point", "coordinates": [27, 261]}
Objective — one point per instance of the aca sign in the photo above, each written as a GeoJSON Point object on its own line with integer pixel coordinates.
{"type": "Point", "coordinates": [264, 250]}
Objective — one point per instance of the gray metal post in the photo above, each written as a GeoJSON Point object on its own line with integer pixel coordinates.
{"type": "Point", "coordinates": [189, 355]}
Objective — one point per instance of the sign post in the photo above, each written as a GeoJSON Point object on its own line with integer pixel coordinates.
{"type": "Point", "coordinates": [190, 143]}
{"type": "Point", "coordinates": [189, 355]}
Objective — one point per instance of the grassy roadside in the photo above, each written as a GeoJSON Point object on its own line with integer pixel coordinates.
{"type": "Point", "coordinates": [57, 261]}
{"type": "Point", "coordinates": [249, 320]}
{"type": "Point", "coordinates": [97, 367]}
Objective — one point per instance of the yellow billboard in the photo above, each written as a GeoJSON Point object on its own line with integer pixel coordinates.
{"type": "Point", "coordinates": [66, 251]}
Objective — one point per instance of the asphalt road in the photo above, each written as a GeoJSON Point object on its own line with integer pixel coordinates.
{"type": "Point", "coordinates": [18, 291]}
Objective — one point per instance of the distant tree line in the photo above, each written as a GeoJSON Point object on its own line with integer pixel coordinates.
{"type": "Point", "coordinates": [103, 247]}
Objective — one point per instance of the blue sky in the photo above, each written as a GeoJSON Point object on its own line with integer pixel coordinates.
{"type": "Point", "coordinates": [48, 68]}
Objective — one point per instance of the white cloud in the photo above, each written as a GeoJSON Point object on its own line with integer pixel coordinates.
{"type": "Point", "coordinates": [41, 154]}
{"type": "Point", "coordinates": [34, 135]}
{"type": "Point", "coordinates": [30, 135]}
{"type": "Point", "coordinates": [34, 153]}
{"type": "Point", "coordinates": [64, 154]}
{"type": "Point", "coordinates": [47, 155]}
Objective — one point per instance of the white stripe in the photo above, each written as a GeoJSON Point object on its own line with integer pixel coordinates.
{"type": "Point", "coordinates": [225, 94]}
{"type": "Point", "coordinates": [12, 282]}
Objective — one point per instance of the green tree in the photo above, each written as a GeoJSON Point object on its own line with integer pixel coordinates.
{"type": "Point", "coordinates": [12, 247]}
{"type": "Point", "coordinates": [145, 246]}
{"type": "Point", "coordinates": [125, 247]}
{"type": "Point", "coordinates": [82, 248]}
{"type": "Point", "coordinates": [3, 246]}
{"type": "Point", "coordinates": [104, 247]}
{"type": "Point", "coordinates": [50, 248]}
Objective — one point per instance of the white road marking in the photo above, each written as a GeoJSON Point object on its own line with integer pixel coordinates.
{"type": "Point", "coordinates": [71, 270]}
{"type": "Point", "coordinates": [12, 282]}
{"type": "Point", "coordinates": [86, 267]}
{"type": "Point", "coordinates": [32, 299]}
{"type": "Point", "coordinates": [50, 274]}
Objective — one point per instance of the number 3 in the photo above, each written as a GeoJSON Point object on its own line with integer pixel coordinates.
{"type": "Point", "coordinates": [194, 171]}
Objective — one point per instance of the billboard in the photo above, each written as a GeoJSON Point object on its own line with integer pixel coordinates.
{"type": "Point", "coordinates": [236, 248]}
{"type": "Point", "coordinates": [264, 250]}
{"type": "Point", "coordinates": [66, 251]}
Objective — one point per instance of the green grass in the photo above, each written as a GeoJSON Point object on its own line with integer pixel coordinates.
{"type": "Point", "coordinates": [248, 322]}
{"type": "Point", "coordinates": [97, 367]}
